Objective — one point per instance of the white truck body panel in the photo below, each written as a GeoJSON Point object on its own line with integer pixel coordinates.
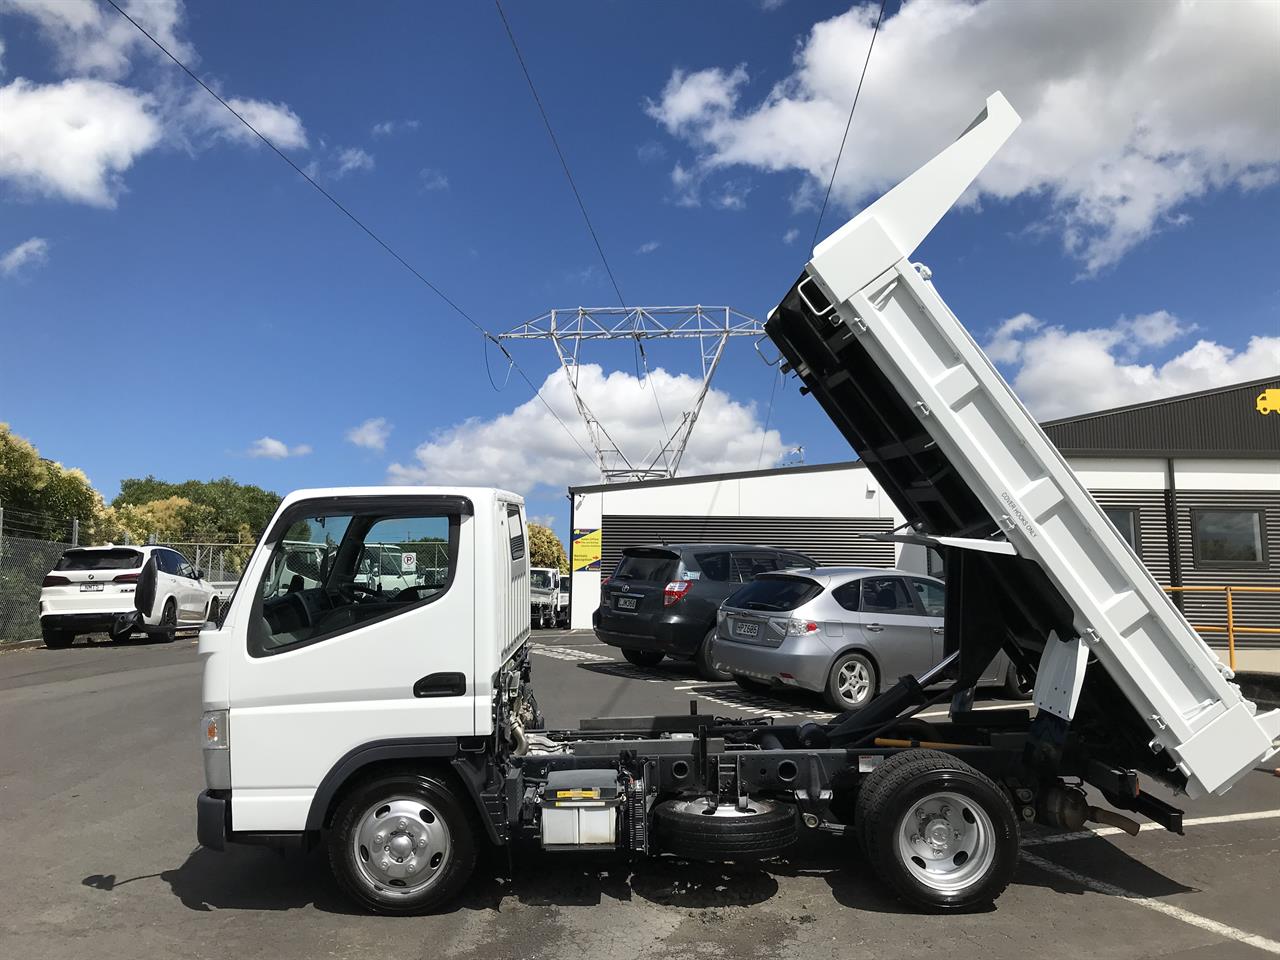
{"type": "Point", "coordinates": [1160, 663]}
{"type": "Point", "coordinates": [327, 698]}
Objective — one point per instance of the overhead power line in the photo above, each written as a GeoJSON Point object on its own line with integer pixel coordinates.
{"type": "Point", "coordinates": [847, 124]}
{"type": "Point", "coordinates": [357, 221]}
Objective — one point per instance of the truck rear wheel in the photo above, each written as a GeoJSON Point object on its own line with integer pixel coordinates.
{"type": "Point", "coordinates": [692, 829]}
{"type": "Point", "coordinates": [402, 844]}
{"type": "Point", "coordinates": [941, 833]}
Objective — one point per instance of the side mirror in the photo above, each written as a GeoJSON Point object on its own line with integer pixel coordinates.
{"type": "Point", "coordinates": [144, 597]}
{"type": "Point", "coordinates": [199, 574]}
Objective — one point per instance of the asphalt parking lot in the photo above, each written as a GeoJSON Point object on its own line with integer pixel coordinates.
{"type": "Point", "coordinates": [99, 770]}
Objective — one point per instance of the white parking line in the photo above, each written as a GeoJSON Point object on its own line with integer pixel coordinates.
{"type": "Point", "coordinates": [1159, 906]}
{"type": "Point", "coordinates": [1112, 831]}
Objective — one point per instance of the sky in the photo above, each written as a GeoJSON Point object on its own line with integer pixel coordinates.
{"type": "Point", "coordinates": [176, 300]}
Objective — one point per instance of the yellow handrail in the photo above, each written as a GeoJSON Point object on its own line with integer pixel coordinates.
{"type": "Point", "coordinates": [1231, 628]}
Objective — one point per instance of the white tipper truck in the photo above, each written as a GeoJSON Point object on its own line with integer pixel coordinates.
{"type": "Point", "coordinates": [548, 597]}
{"type": "Point", "coordinates": [398, 728]}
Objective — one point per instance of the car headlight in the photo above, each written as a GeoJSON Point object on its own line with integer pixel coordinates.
{"type": "Point", "coordinates": [217, 734]}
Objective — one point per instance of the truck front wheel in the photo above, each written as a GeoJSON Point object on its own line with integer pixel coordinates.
{"type": "Point", "coordinates": [938, 831]}
{"type": "Point", "coordinates": [402, 844]}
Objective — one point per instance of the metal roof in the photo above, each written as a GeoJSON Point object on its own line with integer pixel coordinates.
{"type": "Point", "coordinates": [1220, 422]}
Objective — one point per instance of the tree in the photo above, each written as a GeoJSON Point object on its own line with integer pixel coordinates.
{"type": "Point", "coordinates": [41, 497]}
{"type": "Point", "coordinates": [219, 509]}
{"type": "Point", "coordinates": [545, 549]}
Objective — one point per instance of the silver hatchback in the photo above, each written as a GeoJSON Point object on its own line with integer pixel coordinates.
{"type": "Point", "coordinates": [845, 632]}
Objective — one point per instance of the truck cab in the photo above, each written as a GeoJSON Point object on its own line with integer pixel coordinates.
{"type": "Point", "coordinates": [548, 597]}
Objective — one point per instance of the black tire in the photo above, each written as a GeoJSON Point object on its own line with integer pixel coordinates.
{"type": "Point", "coordinates": [892, 792]}
{"type": "Point", "coordinates": [1012, 689]}
{"type": "Point", "coordinates": [752, 686]}
{"type": "Point", "coordinates": [642, 658]}
{"type": "Point", "coordinates": [685, 828]}
{"type": "Point", "coordinates": [705, 660]}
{"type": "Point", "coordinates": [448, 811]}
{"type": "Point", "coordinates": [169, 621]}
{"type": "Point", "coordinates": [57, 639]}
{"type": "Point", "coordinates": [832, 693]}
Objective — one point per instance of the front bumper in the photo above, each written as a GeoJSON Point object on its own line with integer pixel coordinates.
{"type": "Point", "coordinates": [213, 818]}
{"type": "Point", "coordinates": [805, 660]}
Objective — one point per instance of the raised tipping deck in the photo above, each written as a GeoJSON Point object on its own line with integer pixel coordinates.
{"type": "Point", "coordinates": [946, 437]}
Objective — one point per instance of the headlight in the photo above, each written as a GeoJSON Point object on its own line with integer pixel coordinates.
{"type": "Point", "coordinates": [217, 735]}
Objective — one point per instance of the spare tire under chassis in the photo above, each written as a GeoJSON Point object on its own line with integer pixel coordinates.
{"type": "Point", "coordinates": [697, 831]}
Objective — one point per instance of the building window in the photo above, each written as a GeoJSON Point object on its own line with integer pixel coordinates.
{"type": "Point", "coordinates": [1125, 519]}
{"type": "Point", "coordinates": [1228, 538]}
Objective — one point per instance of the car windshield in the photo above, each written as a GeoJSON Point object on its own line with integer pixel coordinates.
{"type": "Point", "coordinates": [646, 566]}
{"type": "Point", "coordinates": [540, 579]}
{"type": "Point", "coordinates": [99, 560]}
{"type": "Point", "coordinates": [774, 594]}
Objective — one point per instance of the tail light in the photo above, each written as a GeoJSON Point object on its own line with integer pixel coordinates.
{"type": "Point", "coordinates": [53, 580]}
{"type": "Point", "coordinates": [126, 578]}
{"type": "Point", "coordinates": [800, 628]}
{"type": "Point", "coordinates": [673, 591]}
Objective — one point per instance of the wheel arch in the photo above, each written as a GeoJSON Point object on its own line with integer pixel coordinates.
{"type": "Point", "coordinates": [441, 755]}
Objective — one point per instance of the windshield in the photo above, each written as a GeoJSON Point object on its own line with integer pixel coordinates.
{"type": "Point", "coordinates": [774, 594]}
{"type": "Point", "coordinates": [540, 580]}
{"type": "Point", "coordinates": [99, 560]}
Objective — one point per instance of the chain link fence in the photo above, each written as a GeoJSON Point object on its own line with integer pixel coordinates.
{"type": "Point", "coordinates": [23, 565]}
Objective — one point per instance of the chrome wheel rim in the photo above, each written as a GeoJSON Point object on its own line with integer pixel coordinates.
{"type": "Point", "coordinates": [400, 846]}
{"type": "Point", "coordinates": [946, 842]}
{"type": "Point", "coordinates": [724, 811]}
{"type": "Point", "coordinates": [853, 681]}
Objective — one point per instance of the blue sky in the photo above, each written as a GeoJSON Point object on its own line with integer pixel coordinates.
{"type": "Point", "coordinates": [198, 296]}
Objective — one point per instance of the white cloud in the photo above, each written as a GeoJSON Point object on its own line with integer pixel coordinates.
{"type": "Point", "coordinates": [791, 236]}
{"type": "Point", "coordinates": [1119, 131]}
{"type": "Point", "coordinates": [650, 151]}
{"type": "Point", "coordinates": [648, 247]}
{"type": "Point", "coordinates": [351, 159]}
{"type": "Point", "coordinates": [269, 448]}
{"type": "Point", "coordinates": [433, 179]}
{"type": "Point", "coordinates": [372, 434]}
{"type": "Point", "coordinates": [733, 195]}
{"type": "Point", "coordinates": [91, 38]}
{"type": "Point", "coordinates": [1058, 372]}
{"type": "Point", "coordinates": [73, 140]}
{"type": "Point", "coordinates": [544, 520]}
{"type": "Point", "coordinates": [526, 448]}
{"type": "Point", "coordinates": [387, 127]}
{"type": "Point", "coordinates": [29, 253]}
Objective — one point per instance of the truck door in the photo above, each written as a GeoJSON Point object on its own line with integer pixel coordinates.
{"type": "Point", "coordinates": [330, 665]}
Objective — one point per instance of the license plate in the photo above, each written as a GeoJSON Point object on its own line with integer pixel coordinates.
{"type": "Point", "coordinates": [90, 587]}
{"type": "Point", "coordinates": [747, 629]}
{"type": "Point", "coordinates": [627, 603]}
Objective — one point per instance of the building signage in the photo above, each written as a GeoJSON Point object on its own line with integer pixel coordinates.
{"type": "Point", "coordinates": [586, 548]}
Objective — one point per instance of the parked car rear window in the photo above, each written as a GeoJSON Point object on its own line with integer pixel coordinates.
{"type": "Point", "coordinates": [651, 566]}
{"type": "Point", "coordinates": [774, 593]}
{"type": "Point", "coordinates": [99, 560]}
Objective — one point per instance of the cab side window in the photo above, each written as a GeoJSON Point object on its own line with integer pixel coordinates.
{"type": "Point", "coordinates": [516, 531]}
{"type": "Point", "coordinates": [319, 582]}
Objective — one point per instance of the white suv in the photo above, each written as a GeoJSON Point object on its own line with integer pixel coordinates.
{"type": "Point", "coordinates": [90, 590]}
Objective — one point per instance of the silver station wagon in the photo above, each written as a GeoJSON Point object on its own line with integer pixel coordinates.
{"type": "Point", "coordinates": [844, 632]}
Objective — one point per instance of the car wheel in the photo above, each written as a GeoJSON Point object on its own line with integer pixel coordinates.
{"type": "Point", "coordinates": [692, 829]}
{"type": "Point", "coordinates": [643, 658]}
{"type": "Point", "coordinates": [57, 639]}
{"type": "Point", "coordinates": [402, 844]}
{"type": "Point", "coordinates": [941, 833]}
{"type": "Point", "coordinates": [705, 658]}
{"type": "Point", "coordinates": [752, 686]}
{"type": "Point", "coordinates": [852, 682]}
{"type": "Point", "coordinates": [169, 620]}
{"type": "Point", "coordinates": [1013, 685]}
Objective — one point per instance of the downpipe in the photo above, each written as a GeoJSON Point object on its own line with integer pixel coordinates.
{"type": "Point", "coordinates": [1068, 808]}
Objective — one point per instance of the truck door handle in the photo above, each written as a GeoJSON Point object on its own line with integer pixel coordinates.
{"type": "Point", "coordinates": [937, 629]}
{"type": "Point", "coordinates": [441, 685]}
{"type": "Point", "coordinates": [873, 627]}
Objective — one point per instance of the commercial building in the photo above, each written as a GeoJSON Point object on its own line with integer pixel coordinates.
{"type": "Point", "coordinates": [1192, 482]}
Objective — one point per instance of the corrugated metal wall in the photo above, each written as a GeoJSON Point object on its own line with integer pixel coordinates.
{"type": "Point", "coordinates": [1257, 610]}
{"type": "Point", "coordinates": [1153, 526]}
{"type": "Point", "coordinates": [828, 540]}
